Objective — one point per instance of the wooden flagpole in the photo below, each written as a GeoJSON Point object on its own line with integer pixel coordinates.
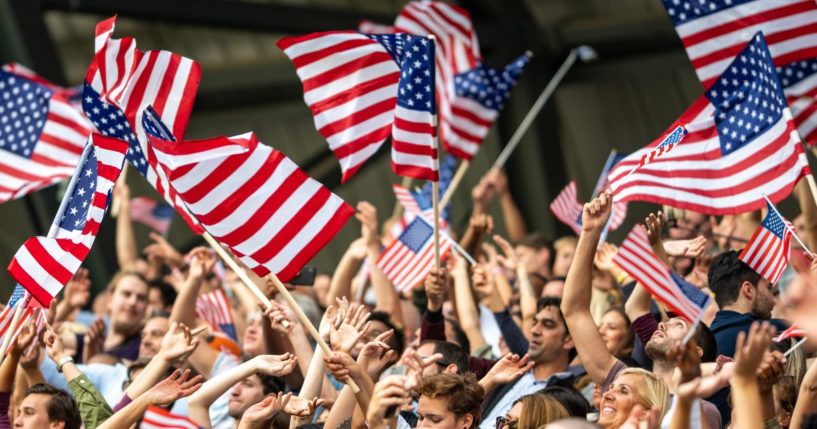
{"type": "Point", "coordinates": [435, 185]}
{"type": "Point", "coordinates": [455, 181]}
{"type": "Point", "coordinates": [266, 301]}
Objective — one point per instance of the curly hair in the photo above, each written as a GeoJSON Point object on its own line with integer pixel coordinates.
{"type": "Point", "coordinates": [462, 392]}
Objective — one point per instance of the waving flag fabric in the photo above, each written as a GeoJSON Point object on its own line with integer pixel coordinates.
{"type": "Point", "coordinates": [619, 212]}
{"type": "Point", "coordinates": [214, 308]}
{"type": "Point", "coordinates": [420, 201]}
{"type": "Point", "coordinates": [567, 208]}
{"type": "Point", "coordinates": [637, 258]}
{"type": "Point", "coordinates": [742, 143]}
{"type": "Point", "coordinates": [470, 94]}
{"type": "Point", "coordinates": [159, 418]}
{"type": "Point", "coordinates": [364, 88]}
{"type": "Point", "coordinates": [43, 265]}
{"type": "Point", "coordinates": [7, 313]}
{"type": "Point", "coordinates": [409, 259]}
{"type": "Point", "coordinates": [252, 198]}
{"type": "Point", "coordinates": [122, 82]}
{"type": "Point", "coordinates": [41, 133]}
{"type": "Point", "coordinates": [152, 213]}
{"type": "Point", "coordinates": [767, 252]}
{"type": "Point", "coordinates": [715, 31]}
{"type": "Point", "coordinates": [791, 332]}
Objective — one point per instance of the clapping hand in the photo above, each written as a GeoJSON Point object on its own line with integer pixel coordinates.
{"type": "Point", "coordinates": [173, 388]}
{"type": "Point", "coordinates": [349, 326]}
{"type": "Point", "coordinates": [275, 365]}
{"type": "Point", "coordinates": [178, 342]}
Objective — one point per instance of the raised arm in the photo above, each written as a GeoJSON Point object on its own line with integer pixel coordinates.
{"type": "Point", "coordinates": [514, 222]}
{"type": "Point", "coordinates": [576, 300]}
{"type": "Point", "coordinates": [467, 311]}
{"type": "Point", "coordinates": [341, 283]}
{"type": "Point", "coordinates": [806, 398]}
{"type": "Point", "coordinates": [386, 298]}
{"type": "Point", "coordinates": [177, 344]}
{"type": "Point", "coordinates": [749, 351]}
{"type": "Point", "coordinates": [126, 251]}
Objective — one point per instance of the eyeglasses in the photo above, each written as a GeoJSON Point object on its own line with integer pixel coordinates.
{"type": "Point", "coordinates": [505, 421]}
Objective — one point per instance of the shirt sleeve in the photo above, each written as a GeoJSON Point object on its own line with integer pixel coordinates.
{"type": "Point", "coordinates": [92, 406]}
{"type": "Point", "coordinates": [644, 327]}
{"type": "Point", "coordinates": [433, 327]}
{"type": "Point", "coordinates": [514, 337]}
{"type": "Point", "coordinates": [5, 399]}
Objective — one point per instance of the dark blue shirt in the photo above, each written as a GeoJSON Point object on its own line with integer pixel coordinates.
{"type": "Point", "coordinates": [728, 324]}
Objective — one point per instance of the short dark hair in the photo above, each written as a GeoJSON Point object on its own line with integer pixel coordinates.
{"type": "Point", "coordinates": [61, 407]}
{"type": "Point", "coordinates": [726, 274]}
{"type": "Point", "coordinates": [706, 341]}
{"type": "Point", "coordinates": [398, 340]}
{"type": "Point", "coordinates": [452, 353]}
{"type": "Point", "coordinates": [460, 338]}
{"type": "Point", "coordinates": [539, 241]}
{"type": "Point", "coordinates": [570, 398]}
{"type": "Point", "coordinates": [168, 293]}
{"type": "Point", "coordinates": [270, 384]}
{"type": "Point", "coordinates": [554, 302]}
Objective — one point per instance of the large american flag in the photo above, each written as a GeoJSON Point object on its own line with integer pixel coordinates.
{"type": "Point", "coordinates": [409, 259]}
{"type": "Point", "coordinates": [742, 143]}
{"type": "Point", "coordinates": [42, 133]}
{"type": "Point", "coordinates": [364, 88]}
{"type": "Point", "coordinates": [714, 32]}
{"type": "Point", "coordinates": [122, 82]}
{"type": "Point", "coordinates": [7, 313]}
{"type": "Point", "coordinates": [637, 258]}
{"type": "Point", "coordinates": [152, 213]}
{"type": "Point", "coordinates": [159, 418]}
{"type": "Point", "coordinates": [767, 252]}
{"type": "Point", "coordinates": [43, 265]}
{"type": "Point", "coordinates": [252, 198]}
{"type": "Point", "coordinates": [214, 308]}
{"type": "Point", "coordinates": [470, 94]}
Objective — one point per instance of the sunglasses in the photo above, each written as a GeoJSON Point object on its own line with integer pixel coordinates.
{"type": "Point", "coordinates": [505, 421]}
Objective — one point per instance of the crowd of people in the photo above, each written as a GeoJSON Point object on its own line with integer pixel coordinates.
{"type": "Point", "coordinates": [538, 333]}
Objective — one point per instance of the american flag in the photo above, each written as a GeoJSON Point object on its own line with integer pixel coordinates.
{"type": "Point", "coordinates": [714, 32]}
{"type": "Point", "coordinates": [122, 82]}
{"type": "Point", "coordinates": [41, 133]}
{"type": "Point", "coordinates": [7, 313]}
{"type": "Point", "coordinates": [666, 145]}
{"type": "Point", "coordinates": [767, 252]}
{"type": "Point", "coordinates": [470, 94]}
{"type": "Point", "coordinates": [619, 211]}
{"type": "Point", "coordinates": [43, 265]}
{"type": "Point", "coordinates": [741, 144]}
{"type": "Point", "coordinates": [159, 418]}
{"type": "Point", "coordinates": [152, 213]}
{"type": "Point", "coordinates": [420, 201]}
{"type": "Point", "coordinates": [790, 332]}
{"type": "Point", "coordinates": [567, 208]}
{"type": "Point", "coordinates": [214, 308]}
{"type": "Point", "coordinates": [252, 198]}
{"type": "Point", "coordinates": [363, 88]}
{"type": "Point", "coordinates": [409, 259]}
{"type": "Point", "coordinates": [637, 258]}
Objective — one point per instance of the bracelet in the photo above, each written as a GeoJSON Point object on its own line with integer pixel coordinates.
{"type": "Point", "coordinates": [63, 361]}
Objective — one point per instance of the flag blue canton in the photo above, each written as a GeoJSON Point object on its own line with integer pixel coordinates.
{"type": "Point", "coordinates": [489, 86]}
{"type": "Point", "coordinates": [163, 211]}
{"type": "Point", "coordinates": [23, 113]}
{"type": "Point", "coordinates": [423, 196]}
{"type": "Point", "coordinates": [748, 97]}
{"type": "Point", "coordinates": [415, 56]}
{"type": "Point", "coordinates": [681, 11]}
{"type": "Point", "coordinates": [16, 295]}
{"type": "Point", "coordinates": [229, 330]}
{"type": "Point", "coordinates": [154, 126]}
{"type": "Point", "coordinates": [673, 138]}
{"type": "Point", "coordinates": [793, 73]}
{"type": "Point", "coordinates": [416, 234]}
{"type": "Point", "coordinates": [111, 122]}
{"type": "Point", "coordinates": [79, 203]}
{"type": "Point", "coordinates": [695, 295]}
{"type": "Point", "coordinates": [774, 222]}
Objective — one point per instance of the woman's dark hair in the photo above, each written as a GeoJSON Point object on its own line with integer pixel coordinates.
{"type": "Point", "coordinates": [570, 398]}
{"type": "Point", "coordinates": [61, 407]}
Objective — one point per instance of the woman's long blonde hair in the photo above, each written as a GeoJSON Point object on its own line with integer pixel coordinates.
{"type": "Point", "coordinates": [539, 409]}
{"type": "Point", "coordinates": [651, 389]}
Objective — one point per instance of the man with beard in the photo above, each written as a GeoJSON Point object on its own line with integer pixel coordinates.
{"type": "Point", "coordinates": [550, 348]}
{"type": "Point", "coordinates": [602, 366]}
{"type": "Point", "coordinates": [743, 298]}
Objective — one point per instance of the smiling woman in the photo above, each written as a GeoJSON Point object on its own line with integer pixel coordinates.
{"type": "Point", "coordinates": [633, 386]}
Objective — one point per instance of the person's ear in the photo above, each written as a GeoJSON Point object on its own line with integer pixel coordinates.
{"type": "Point", "coordinates": [567, 343]}
{"type": "Point", "coordinates": [467, 421]}
{"type": "Point", "coordinates": [59, 424]}
{"type": "Point", "coordinates": [451, 368]}
{"type": "Point", "coordinates": [700, 351]}
{"type": "Point", "coordinates": [748, 291]}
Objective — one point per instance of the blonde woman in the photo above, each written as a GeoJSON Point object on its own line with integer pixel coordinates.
{"type": "Point", "coordinates": [533, 411]}
{"type": "Point", "coordinates": [633, 386]}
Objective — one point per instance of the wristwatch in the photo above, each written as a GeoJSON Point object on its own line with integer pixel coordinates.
{"type": "Point", "coordinates": [63, 361]}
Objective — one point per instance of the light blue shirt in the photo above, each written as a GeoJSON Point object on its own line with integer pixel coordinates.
{"type": "Point", "coordinates": [526, 385]}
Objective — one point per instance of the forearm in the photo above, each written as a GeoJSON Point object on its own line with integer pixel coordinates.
{"type": "Point", "coordinates": [577, 290]}
{"type": "Point", "coordinates": [747, 403]}
{"type": "Point", "coordinates": [806, 399]}
{"type": "Point", "coordinates": [503, 287]}
{"type": "Point", "coordinates": [527, 299]}
{"type": "Point", "coordinates": [34, 376]}
{"type": "Point", "coordinates": [639, 302]}
{"type": "Point", "coordinates": [342, 410]}
{"type": "Point", "coordinates": [184, 309]}
{"type": "Point", "coordinates": [514, 222]}
{"type": "Point", "coordinates": [386, 298]}
{"type": "Point", "coordinates": [126, 250]}
{"type": "Point", "coordinates": [514, 337]}
{"type": "Point", "coordinates": [467, 311]}
{"type": "Point", "coordinates": [341, 283]}
{"type": "Point", "coordinates": [681, 415]}
{"type": "Point", "coordinates": [809, 211]}
{"type": "Point", "coordinates": [301, 348]}
{"type": "Point", "coordinates": [129, 415]}
{"type": "Point", "coordinates": [148, 377]}
{"type": "Point", "coordinates": [216, 386]}
{"type": "Point", "coordinates": [311, 388]}
{"type": "Point", "coordinates": [364, 394]}
{"type": "Point", "coordinates": [7, 371]}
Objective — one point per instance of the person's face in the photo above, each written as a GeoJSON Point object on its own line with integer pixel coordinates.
{"type": "Point", "coordinates": [764, 301]}
{"type": "Point", "coordinates": [154, 301]}
{"type": "Point", "coordinates": [434, 413]}
{"type": "Point", "coordinates": [513, 416]}
{"type": "Point", "coordinates": [534, 261]}
{"type": "Point", "coordinates": [243, 395]}
{"type": "Point", "coordinates": [152, 334]}
{"type": "Point", "coordinates": [668, 333]}
{"type": "Point", "coordinates": [564, 257]}
{"type": "Point", "coordinates": [548, 336]}
{"type": "Point", "coordinates": [254, 335]}
{"type": "Point", "coordinates": [33, 413]}
{"type": "Point", "coordinates": [618, 400]}
{"type": "Point", "coordinates": [554, 288]}
{"type": "Point", "coordinates": [613, 330]}
{"type": "Point", "coordinates": [128, 304]}
{"type": "Point", "coordinates": [321, 288]}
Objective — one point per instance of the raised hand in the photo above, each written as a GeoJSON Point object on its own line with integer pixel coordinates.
{"type": "Point", "coordinates": [482, 281]}
{"type": "Point", "coordinates": [749, 351]}
{"type": "Point", "coordinates": [202, 262]}
{"type": "Point", "coordinates": [436, 286]}
{"type": "Point", "coordinates": [162, 251]}
{"type": "Point", "coordinates": [77, 291]}
{"type": "Point", "coordinates": [771, 369]}
{"type": "Point", "coordinates": [693, 248]}
{"type": "Point", "coordinates": [349, 326]}
{"type": "Point", "coordinates": [654, 224]}
{"type": "Point", "coordinates": [280, 318]}
{"type": "Point", "coordinates": [301, 407]}
{"type": "Point", "coordinates": [259, 414]}
{"type": "Point", "coordinates": [596, 213]}
{"type": "Point", "coordinates": [685, 357]}
{"type": "Point", "coordinates": [341, 365]}
{"type": "Point", "coordinates": [642, 418]}
{"type": "Point", "coordinates": [390, 393]}
{"type": "Point", "coordinates": [508, 369]}
{"type": "Point", "coordinates": [367, 215]}
{"type": "Point", "coordinates": [24, 339]}
{"type": "Point", "coordinates": [53, 345]}
{"type": "Point", "coordinates": [178, 342]}
{"type": "Point", "coordinates": [173, 388]}
{"type": "Point", "coordinates": [604, 257]}
{"type": "Point", "coordinates": [417, 365]}
{"type": "Point", "coordinates": [376, 354]}
{"type": "Point", "coordinates": [275, 365]}
{"type": "Point", "coordinates": [509, 259]}
{"type": "Point", "coordinates": [94, 341]}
